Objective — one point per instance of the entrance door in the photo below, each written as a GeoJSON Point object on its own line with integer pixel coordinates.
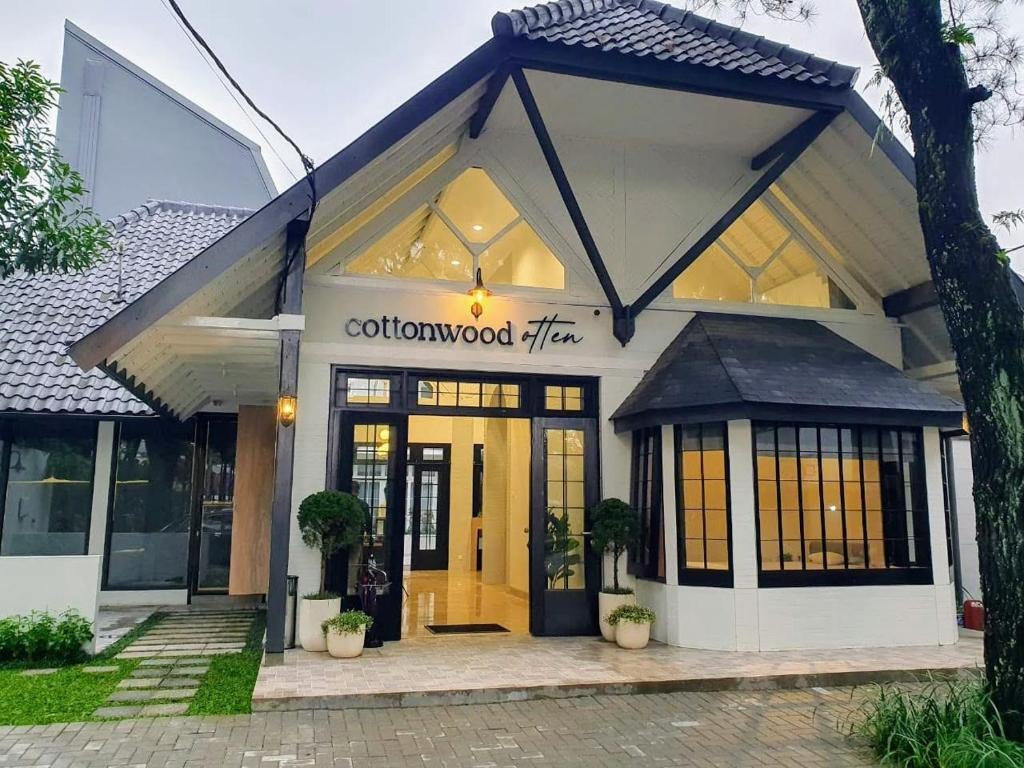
{"type": "Point", "coordinates": [215, 504]}
{"type": "Point", "coordinates": [564, 570]}
{"type": "Point", "coordinates": [430, 473]}
{"type": "Point", "coordinates": [371, 465]}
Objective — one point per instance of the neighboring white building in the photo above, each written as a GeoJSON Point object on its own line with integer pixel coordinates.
{"type": "Point", "coordinates": [134, 139]}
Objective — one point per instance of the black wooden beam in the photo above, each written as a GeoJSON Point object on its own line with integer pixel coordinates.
{"type": "Point", "coordinates": [763, 159]}
{"type": "Point", "coordinates": [483, 111]}
{"type": "Point", "coordinates": [284, 454]}
{"type": "Point", "coordinates": [547, 147]}
{"type": "Point", "coordinates": [597, 64]}
{"type": "Point", "coordinates": [909, 300]}
{"type": "Point", "coordinates": [809, 130]}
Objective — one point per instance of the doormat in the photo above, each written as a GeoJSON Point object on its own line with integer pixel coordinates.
{"type": "Point", "coordinates": [464, 629]}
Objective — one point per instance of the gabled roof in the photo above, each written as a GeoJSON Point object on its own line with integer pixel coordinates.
{"type": "Point", "coordinates": [737, 366]}
{"type": "Point", "coordinates": [743, 67]}
{"type": "Point", "coordinates": [41, 315]}
{"type": "Point", "coordinates": [649, 28]}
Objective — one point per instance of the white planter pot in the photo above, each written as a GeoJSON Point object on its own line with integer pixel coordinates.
{"type": "Point", "coordinates": [605, 605]}
{"type": "Point", "coordinates": [345, 645]}
{"type": "Point", "coordinates": [313, 613]}
{"type": "Point", "coordinates": [632, 636]}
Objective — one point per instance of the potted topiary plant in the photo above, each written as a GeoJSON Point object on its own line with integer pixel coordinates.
{"type": "Point", "coordinates": [329, 521]}
{"type": "Point", "coordinates": [615, 526]}
{"type": "Point", "coordinates": [632, 626]}
{"type": "Point", "coordinates": [346, 633]}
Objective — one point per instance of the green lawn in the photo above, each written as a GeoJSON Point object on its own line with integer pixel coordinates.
{"type": "Point", "coordinates": [72, 695]}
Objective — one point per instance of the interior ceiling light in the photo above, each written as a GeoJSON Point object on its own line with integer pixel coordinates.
{"type": "Point", "coordinates": [478, 227]}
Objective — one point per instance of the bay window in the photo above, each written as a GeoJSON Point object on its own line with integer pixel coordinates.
{"type": "Point", "coordinates": [840, 505]}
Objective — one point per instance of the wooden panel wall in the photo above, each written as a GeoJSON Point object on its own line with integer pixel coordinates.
{"type": "Point", "coordinates": [254, 493]}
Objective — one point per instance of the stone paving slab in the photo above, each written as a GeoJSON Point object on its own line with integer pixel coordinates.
{"type": "Point", "coordinates": [160, 694]}
{"type": "Point", "coordinates": [100, 670]}
{"type": "Point", "coordinates": [39, 672]}
{"type": "Point", "coordinates": [156, 710]}
{"type": "Point", "coordinates": [140, 682]}
{"type": "Point", "coordinates": [480, 669]}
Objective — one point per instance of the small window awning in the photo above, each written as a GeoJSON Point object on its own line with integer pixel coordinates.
{"type": "Point", "coordinates": [724, 367]}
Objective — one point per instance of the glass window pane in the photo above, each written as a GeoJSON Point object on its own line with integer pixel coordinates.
{"type": "Point", "coordinates": [48, 503]}
{"type": "Point", "coordinates": [476, 206]}
{"type": "Point", "coordinates": [522, 258]}
{"type": "Point", "coordinates": [367, 391]}
{"type": "Point", "coordinates": [564, 487]}
{"type": "Point", "coordinates": [420, 247]}
{"type": "Point", "coordinates": [713, 276]}
{"type": "Point", "coordinates": [703, 499]}
{"type": "Point", "coordinates": [149, 521]}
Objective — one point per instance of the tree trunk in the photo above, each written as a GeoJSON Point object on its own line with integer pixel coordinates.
{"type": "Point", "coordinates": [984, 318]}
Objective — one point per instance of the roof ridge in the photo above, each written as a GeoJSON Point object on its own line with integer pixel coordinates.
{"type": "Point", "coordinates": [699, 317]}
{"type": "Point", "coordinates": [148, 208]}
{"type": "Point", "coordinates": [521, 20]}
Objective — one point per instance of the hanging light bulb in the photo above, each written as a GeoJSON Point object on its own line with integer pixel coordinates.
{"type": "Point", "coordinates": [479, 293]}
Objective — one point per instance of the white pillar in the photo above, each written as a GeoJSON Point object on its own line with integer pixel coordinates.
{"type": "Point", "coordinates": [744, 534]}
{"type": "Point", "coordinates": [101, 488]}
{"type": "Point", "coordinates": [945, 611]}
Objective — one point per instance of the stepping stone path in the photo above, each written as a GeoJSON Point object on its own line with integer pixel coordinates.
{"type": "Point", "coordinates": [173, 657]}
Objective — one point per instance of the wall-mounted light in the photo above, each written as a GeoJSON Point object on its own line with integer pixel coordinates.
{"type": "Point", "coordinates": [965, 425]}
{"type": "Point", "coordinates": [286, 407]}
{"type": "Point", "coordinates": [479, 293]}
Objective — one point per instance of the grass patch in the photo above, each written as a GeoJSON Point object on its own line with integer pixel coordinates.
{"type": "Point", "coordinates": [949, 725]}
{"type": "Point", "coordinates": [226, 688]}
{"type": "Point", "coordinates": [68, 695]}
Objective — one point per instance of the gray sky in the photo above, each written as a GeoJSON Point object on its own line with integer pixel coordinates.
{"type": "Point", "coordinates": [328, 69]}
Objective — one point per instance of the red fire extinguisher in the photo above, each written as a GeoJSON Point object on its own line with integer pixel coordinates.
{"type": "Point", "coordinates": [974, 615]}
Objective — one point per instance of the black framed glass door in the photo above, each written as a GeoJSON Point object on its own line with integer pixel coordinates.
{"type": "Point", "coordinates": [429, 475]}
{"type": "Point", "coordinates": [372, 466]}
{"type": "Point", "coordinates": [214, 506]}
{"type": "Point", "coordinates": [564, 569]}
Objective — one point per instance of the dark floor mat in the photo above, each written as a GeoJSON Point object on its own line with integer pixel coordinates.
{"type": "Point", "coordinates": [464, 629]}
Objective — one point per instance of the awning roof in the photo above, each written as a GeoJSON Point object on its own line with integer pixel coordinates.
{"type": "Point", "coordinates": [734, 366]}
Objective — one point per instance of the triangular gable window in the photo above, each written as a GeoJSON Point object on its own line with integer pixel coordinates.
{"type": "Point", "coordinates": [469, 224]}
{"type": "Point", "coordinates": [759, 260]}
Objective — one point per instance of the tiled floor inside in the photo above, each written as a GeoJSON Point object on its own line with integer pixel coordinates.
{"type": "Point", "coordinates": [449, 597]}
{"type": "Point", "coordinates": [516, 662]}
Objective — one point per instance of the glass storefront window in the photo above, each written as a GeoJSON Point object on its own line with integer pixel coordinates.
{"type": "Point", "coordinates": [559, 398]}
{"type": "Point", "coordinates": [48, 499]}
{"type": "Point", "coordinates": [149, 518]}
{"type": "Point", "coordinates": [218, 506]}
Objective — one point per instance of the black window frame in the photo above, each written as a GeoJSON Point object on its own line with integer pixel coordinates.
{"type": "Point", "coordinates": [843, 575]}
{"type": "Point", "coordinates": [646, 495]}
{"type": "Point", "coordinates": [702, 577]}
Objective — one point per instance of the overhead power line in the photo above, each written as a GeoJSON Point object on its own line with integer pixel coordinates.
{"type": "Point", "coordinates": [307, 162]}
{"type": "Point", "coordinates": [229, 90]}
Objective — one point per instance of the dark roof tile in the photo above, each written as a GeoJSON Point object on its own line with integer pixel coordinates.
{"type": "Point", "coordinates": [41, 315]}
{"type": "Point", "coordinates": [650, 28]}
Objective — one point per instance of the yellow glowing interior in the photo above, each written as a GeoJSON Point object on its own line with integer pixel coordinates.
{"type": "Point", "coordinates": [438, 241]}
{"type": "Point", "coordinates": [758, 260]}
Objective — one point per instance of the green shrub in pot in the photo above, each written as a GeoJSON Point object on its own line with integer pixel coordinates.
{"type": "Point", "coordinates": [329, 521]}
{"type": "Point", "coordinates": [615, 527]}
{"type": "Point", "coordinates": [346, 633]}
{"type": "Point", "coordinates": [632, 625]}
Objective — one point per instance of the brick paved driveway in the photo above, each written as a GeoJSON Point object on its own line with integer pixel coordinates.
{"type": "Point", "coordinates": [731, 730]}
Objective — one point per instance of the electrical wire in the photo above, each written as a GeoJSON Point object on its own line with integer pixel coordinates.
{"type": "Point", "coordinates": [307, 162]}
{"type": "Point", "coordinates": [227, 89]}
